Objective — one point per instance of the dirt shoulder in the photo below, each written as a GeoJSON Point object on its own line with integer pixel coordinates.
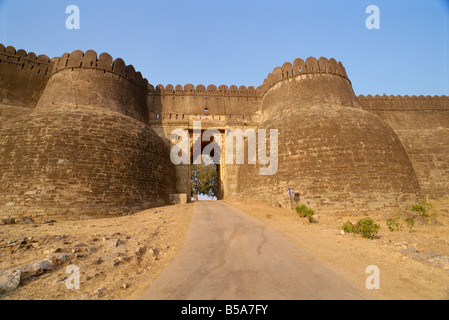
{"type": "Point", "coordinates": [117, 257]}
{"type": "Point", "coordinates": [413, 264]}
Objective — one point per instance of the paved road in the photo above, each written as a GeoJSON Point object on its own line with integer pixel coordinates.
{"type": "Point", "coordinates": [228, 255]}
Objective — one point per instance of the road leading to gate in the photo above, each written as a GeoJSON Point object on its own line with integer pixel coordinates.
{"type": "Point", "coordinates": [229, 255]}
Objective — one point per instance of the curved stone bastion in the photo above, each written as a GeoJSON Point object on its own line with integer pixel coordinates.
{"type": "Point", "coordinates": [86, 148]}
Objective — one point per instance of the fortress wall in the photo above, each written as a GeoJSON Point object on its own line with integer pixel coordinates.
{"type": "Point", "coordinates": [8, 112]}
{"type": "Point", "coordinates": [339, 159]}
{"type": "Point", "coordinates": [428, 150]}
{"type": "Point", "coordinates": [82, 79]}
{"type": "Point", "coordinates": [309, 82]}
{"type": "Point", "coordinates": [304, 84]}
{"type": "Point", "coordinates": [422, 125]}
{"type": "Point", "coordinates": [409, 113]}
{"type": "Point", "coordinates": [300, 67]}
{"type": "Point", "coordinates": [85, 146]}
{"type": "Point", "coordinates": [81, 160]}
{"type": "Point", "coordinates": [188, 100]}
{"type": "Point", "coordinates": [22, 77]}
{"type": "Point", "coordinates": [75, 137]}
{"type": "Point", "coordinates": [337, 156]}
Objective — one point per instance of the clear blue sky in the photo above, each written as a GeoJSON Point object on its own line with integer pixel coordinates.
{"type": "Point", "coordinates": [239, 42]}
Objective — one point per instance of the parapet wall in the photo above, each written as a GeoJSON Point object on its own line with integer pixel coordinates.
{"type": "Point", "coordinates": [104, 62]}
{"type": "Point", "coordinates": [23, 76]}
{"type": "Point", "coordinates": [179, 101]}
{"type": "Point", "coordinates": [201, 90]}
{"type": "Point", "coordinates": [300, 67]}
{"type": "Point", "coordinates": [409, 113]}
{"type": "Point", "coordinates": [428, 150]}
{"type": "Point", "coordinates": [81, 160]}
{"type": "Point", "coordinates": [75, 137]}
{"type": "Point", "coordinates": [303, 85]}
{"type": "Point", "coordinates": [82, 79]}
{"type": "Point", "coordinates": [422, 124]}
{"type": "Point", "coordinates": [85, 146]}
{"type": "Point", "coordinates": [339, 159]}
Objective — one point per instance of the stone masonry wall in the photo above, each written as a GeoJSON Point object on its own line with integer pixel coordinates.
{"type": "Point", "coordinates": [86, 134]}
{"type": "Point", "coordinates": [337, 159]}
{"type": "Point", "coordinates": [83, 79]}
{"type": "Point", "coordinates": [409, 113]}
{"type": "Point", "coordinates": [422, 124]}
{"type": "Point", "coordinates": [24, 76]}
{"type": "Point", "coordinates": [85, 147]}
{"type": "Point", "coordinates": [81, 160]}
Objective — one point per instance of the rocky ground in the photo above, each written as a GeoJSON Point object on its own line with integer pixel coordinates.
{"type": "Point", "coordinates": [119, 257]}
{"type": "Point", "coordinates": [116, 257]}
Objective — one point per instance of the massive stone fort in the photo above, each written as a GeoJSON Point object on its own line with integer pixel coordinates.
{"type": "Point", "coordinates": [86, 134]}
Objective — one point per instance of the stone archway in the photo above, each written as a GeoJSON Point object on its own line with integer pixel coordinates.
{"type": "Point", "coordinates": [212, 147]}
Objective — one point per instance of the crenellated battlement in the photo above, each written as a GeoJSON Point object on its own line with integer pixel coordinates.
{"type": "Point", "coordinates": [384, 96]}
{"type": "Point", "coordinates": [23, 77]}
{"type": "Point", "coordinates": [201, 90]}
{"type": "Point", "coordinates": [304, 84]}
{"type": "Point", "coordinates": [311, 66]}
{"type": "Point", "coordinates": [191, 100]}
{"type": "Point", "coordinates": [87, 134]}
{"type": "Point", "coordinates": [391, 102]}
{"type": "Point", "coordinates": [84, 79]}
{"type": "Point", "coordinates": [409, 112]}
{"type": "Point", "coordinates": [26, 61]}
{"type": "Point", "coordinates": [103, 62]}
{"type": "Point", "coordinates": [288, 70]}
{"type": "Point", "coordinates": [320, 76]}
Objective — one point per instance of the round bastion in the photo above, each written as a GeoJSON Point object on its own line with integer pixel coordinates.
{"type": "Point", "coordinates": [334, 154]}
{"type": "Point", "coordinates": [86, 148]}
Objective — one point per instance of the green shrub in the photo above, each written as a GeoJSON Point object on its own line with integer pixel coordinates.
{"type": "Point", "coordinates": [421, 209]}
{"type": "Point", "coordinates": [424, 209]}
{"type": "Point", "coordinates": [366, 227]}
{"type": "Point", "coordinates": [305, 212]}
{"type": "Point", "coordinates": [410, 222]}
{"type": "Point", "coordinates": [348, 227]}
{"type": "Point", "coordinates": [302, 209]}
{"type": "Point", "coordinates": [394, 224]}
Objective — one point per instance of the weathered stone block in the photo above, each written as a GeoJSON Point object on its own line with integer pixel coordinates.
{"type": "Point", "coordinates": [178, 198]}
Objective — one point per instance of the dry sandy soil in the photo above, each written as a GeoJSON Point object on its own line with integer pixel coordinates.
{"type": "Point", "coordinates": [119, 257]}
{"type": "Point", "coordinates": [413, 264]}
